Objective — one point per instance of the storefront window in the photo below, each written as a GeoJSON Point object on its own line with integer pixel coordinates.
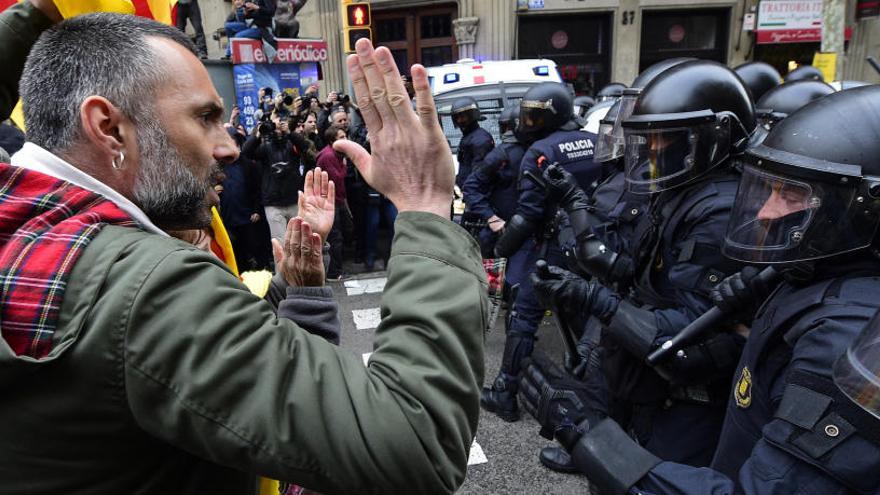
{"type": "Point", "coordinates": [417, 35]}
{"type": "Point", "coordinates": [684, 33]}
{"type": "Point", "coordinates": [579, 44]}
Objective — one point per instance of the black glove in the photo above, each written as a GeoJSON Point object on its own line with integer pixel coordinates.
{"type": "Point", "coordinates": [587, 361]}
{"type": "Point", "coordinates": [564, 406]}
{"type": "Point", "coordinates": [563, 189]}
{"type": "Point", "coordinates": [741, 292]}
{"type": "Point", "coordinates": [558, 288]}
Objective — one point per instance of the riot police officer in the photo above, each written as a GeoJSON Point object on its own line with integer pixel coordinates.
{"type": "Point", "coordinates": [548, 123]}
{"type": "Point", "coordinates": [582, 104]}
{"type": "Point", "coordinates": [805, 72]}
{"type": "Point", "coordinates": [812, 209]}
{"type": "Point", "coordinates": [475, 142]}
{"type": "Point", "coordinates": [610, 91]}
{"type": "Point", "coordinates": [490, 193]}
{"type": "Point", "coordinates": [685, 127]}
{"type": "Point", "coordinates": [783, 100]}
{"type": "Point", "coordinates": [759, 77]}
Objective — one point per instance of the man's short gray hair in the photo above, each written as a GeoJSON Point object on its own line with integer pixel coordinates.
{"type": "Point", "coordinates": [96, 54]}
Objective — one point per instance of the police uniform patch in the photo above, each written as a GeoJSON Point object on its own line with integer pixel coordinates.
{"type": "Point", "coordinates": [743, 390]}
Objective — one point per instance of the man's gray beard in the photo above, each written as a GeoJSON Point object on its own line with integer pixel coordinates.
{"type": "Point", "coordinates": [165, 188]}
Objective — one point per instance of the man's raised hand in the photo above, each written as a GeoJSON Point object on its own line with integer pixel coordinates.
{"type": "Point", "coordinates": [411, 163]}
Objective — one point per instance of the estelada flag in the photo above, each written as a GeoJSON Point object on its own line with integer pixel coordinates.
{"type": "Point", "coordinates": [160, 10]}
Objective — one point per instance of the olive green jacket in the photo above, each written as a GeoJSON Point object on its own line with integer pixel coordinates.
{"type": "Point", "coordinates": [20, 26]}
{"type": "Point", "coordinates": [167, 376]}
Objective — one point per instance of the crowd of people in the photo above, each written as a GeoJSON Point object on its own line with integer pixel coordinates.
{"type": "Point", "coordinates": [710, 254]}
{"type": "Point", "coordinates": [260, 193]}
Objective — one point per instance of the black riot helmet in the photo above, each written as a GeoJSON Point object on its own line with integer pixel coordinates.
{"type": "Point", "coordinates": [582, 104]}
{"type": "Point", "coordinates": [611, 142]}
{"type": "Point", "coordinates": [610, 90]}
{"type": "Point", "coordinates": [655, 70]}
{"type": "Point", "coordinates": [805, 72]}
{"type": "Point", "coordinates": [783, 100]}
{"type": "Point", "coordinates": [465, 112]}
{"type": "Point", "coordinates": [687, 121]}
{"type": "Point", "coordinates": [811, 190]}
{"type": "Point", "coordinates": [544, 108]}
{"type": "Point", "coordinates": [509, 118]}
{"type": "Point", "coordinates": [857, 372]}
{"type": "Point", "coordinates": [759, 77]}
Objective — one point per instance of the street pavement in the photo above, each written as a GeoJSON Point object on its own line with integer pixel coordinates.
{"type": "Point", "coordinates": [504, 456]}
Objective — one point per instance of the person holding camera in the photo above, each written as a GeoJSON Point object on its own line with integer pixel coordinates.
{"type": "Point", "coordinates": [283, 164]}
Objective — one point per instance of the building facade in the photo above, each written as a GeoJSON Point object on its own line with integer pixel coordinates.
{"type": "Point", "coordinates": [592, 41]}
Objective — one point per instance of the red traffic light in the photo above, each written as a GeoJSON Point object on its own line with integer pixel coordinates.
{"type": "Point", "coordinates": [358, 14]}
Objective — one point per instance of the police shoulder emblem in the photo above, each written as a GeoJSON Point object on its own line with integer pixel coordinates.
{"type": "Point", "coordinates": [743, 390]}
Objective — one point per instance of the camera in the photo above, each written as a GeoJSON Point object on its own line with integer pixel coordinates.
{"type": "Point", "coordinates": [288, 100]}
{"type": "Point", "coordinates": [265, 126]}
{"type": "Point", "coordinates": [342, 97]}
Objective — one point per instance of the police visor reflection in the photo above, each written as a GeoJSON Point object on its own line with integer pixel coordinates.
{"type": "Point", "coordinates": [772, 212]}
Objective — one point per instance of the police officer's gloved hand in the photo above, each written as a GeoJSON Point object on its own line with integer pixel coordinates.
{"type": "Point", "coordinates": [587, 361]}
{"type": "Point", "coordinates": [559, 288]}
{"type": "Point", "coordinates": [563, 189]}
{"type": "Point", "coordinates": [564, 406]}
{"type": "Point", "coordinates": [741, 292]}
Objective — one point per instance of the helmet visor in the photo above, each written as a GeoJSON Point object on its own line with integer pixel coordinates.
{"type": "Point", "coordinates": [770, 214]}
{"type": "Point", "coordinates": [777, 219]}
{"type": "Point", "coordinates": [607, 147]}
{"type": "Point", "coordinates": [533, 119]}
{"type": "Point", "coordinates": [611, 142]}
{"type": "Point", "coordinates": [857, 372]}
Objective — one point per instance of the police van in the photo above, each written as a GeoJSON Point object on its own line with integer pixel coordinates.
{"type": "Point", "coordinates": [494, 84]}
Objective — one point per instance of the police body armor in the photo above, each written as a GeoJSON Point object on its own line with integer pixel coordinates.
{"type": "Point", "coordinates": [504, 162]}
{"type": "Point", "coordinates": [573, 151]}
{"type": "Point", "coordinates": [808, 401]}
{"type": "Point", "coordinates": [654, 250]}
{"type": "Point", "coordinates": [472, 149]}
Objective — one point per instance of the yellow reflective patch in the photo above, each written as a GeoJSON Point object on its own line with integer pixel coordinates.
{"type": "Point", "coordinates": [743, 390]}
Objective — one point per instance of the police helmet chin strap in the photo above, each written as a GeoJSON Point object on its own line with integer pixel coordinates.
{"type": "Point", "coordinates": [740, 145]}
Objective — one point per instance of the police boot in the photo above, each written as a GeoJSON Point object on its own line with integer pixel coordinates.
{"type": "Point", "coordinates": [500, 398]}
{"type": "Point", "coordinates": [557, 459]}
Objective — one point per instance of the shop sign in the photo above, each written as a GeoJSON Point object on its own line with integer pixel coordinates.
{"type": "Point", "coordinates": [791, 21]}
{"type": "Point", "coordinates": [827, 64]}
{"type": "Point", "coordinates": [290, 51]}
{"type": "Point", "coordinates": [749, 22]}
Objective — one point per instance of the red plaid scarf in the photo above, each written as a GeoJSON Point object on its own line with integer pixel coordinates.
{"type": "Point", "coordinates": [45, 223]}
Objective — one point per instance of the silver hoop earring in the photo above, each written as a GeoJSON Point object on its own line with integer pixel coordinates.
{"type": "Point", "coordinates": [118, 165]}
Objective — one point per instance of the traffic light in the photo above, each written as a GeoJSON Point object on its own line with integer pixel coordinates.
{"type": "Point", "coordinates": [357, 24]}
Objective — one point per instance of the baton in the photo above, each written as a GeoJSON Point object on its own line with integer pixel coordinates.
{"type": "Point", "coordinates": [707, 321]}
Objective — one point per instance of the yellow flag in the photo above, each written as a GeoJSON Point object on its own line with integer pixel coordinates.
{"type": "Point", "coordinates": [71, 8]}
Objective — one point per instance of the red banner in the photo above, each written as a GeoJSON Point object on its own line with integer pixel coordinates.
{"type": "Point", "coordinates": [813, 35]}
{"type": "Point", "coordinates": [290, 51]}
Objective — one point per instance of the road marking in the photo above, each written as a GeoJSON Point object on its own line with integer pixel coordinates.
{"type": "Point", "coordinates": [476, 456]}
{"type": "Point", "coordinates": [365, 286]}
{"type": "Point", "coordinates": [365, 319]}
{"type": "Point", "coordinates": [366, 357]}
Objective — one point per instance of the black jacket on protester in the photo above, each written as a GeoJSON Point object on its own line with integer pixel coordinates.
{"type": "Point", "coordinates": [282, 170]}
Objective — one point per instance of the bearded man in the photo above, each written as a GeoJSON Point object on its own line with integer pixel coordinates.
{"type": "Point", "coordinates": [132, 362]}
